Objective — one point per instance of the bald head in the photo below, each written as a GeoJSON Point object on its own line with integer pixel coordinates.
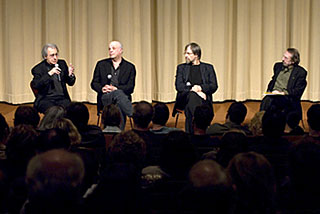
{"type": "Point", "coordinates": [55, 167]}
{"type": "Point", "coordinates": [207, 173]}
{"type": "Point", "coordinates": [115, 50]}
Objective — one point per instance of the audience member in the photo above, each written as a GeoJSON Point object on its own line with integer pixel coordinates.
{"type": "Point", "coordinates": [127, 147]}
{"type": "Point", "coordinates": [176, 158]}
{"type": "Point", "coordinates": [118, 188]}
{"type": "Point", "coordinates": [118, 191]}
{"type": "Point", "coordinates": [142, 116]}
{"type": "Point", "coordinates": [209, 191]}
{"type": "Point", "coordinates": [255, 125]}
{"type": "Point", "coordinates": [91, 135]}
{"type": "Point", "coordinates": [54, 138]}
{"type": "Point", "coordinates": [272, 145]}
{"type": "Point", "coordinates": [160, 119]}
{"type": "Point", "coordinates": [203, 115]}
{"type": "Point", "coordinates": [53, 180]}
{"type": "Point", "coordinates": [313, 118]}
{"type": "Point", "coordinates": [234, 118]}
{"type": "Point", "coordinates": [111, 119]}
{"type": "Point", "coordinates": [304, 161]}
{"type": "Point", "coordinates": [20, 149]}
{"type": "Point", "coordinates": [232, 143]}
{"type": "Point", "coordinates": [66, 125]}
{"type": "Point", "coordinates": [52, 113]}
{"type": "Point", "coordinates": [4, 132]}
{"type": "Point", "coordinates": [253, 180]}
{"type": "Point", "coordinates": [26, 115]}
{"type": "Point", "coordinates": [292, 126]}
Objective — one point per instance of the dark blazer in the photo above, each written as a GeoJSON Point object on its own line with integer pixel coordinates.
{"type": "Point", "coordinates": [126, 77]}
{"type": "Point", "coordinates": [296, 84]}
{"type": "Point", "coordinates": [209, 81]}
{"type": "Point", "coordinates": [42, 80]}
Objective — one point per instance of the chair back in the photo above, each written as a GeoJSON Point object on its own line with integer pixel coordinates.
{"type": "Point", "coordinates": [34, 90]}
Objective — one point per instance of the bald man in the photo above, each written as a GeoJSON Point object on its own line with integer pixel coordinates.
{"type": "Point", "coordinates": [114, 81]}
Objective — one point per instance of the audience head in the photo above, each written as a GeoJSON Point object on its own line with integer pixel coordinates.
{"type": "Point", "coordinates": [54, 138]}
{"type": "Point", "coordinates": [232, 143]}
{"type": "Point", "coordinates": [203, 116]}
{"type": "Point", "coordinates": [161, 114]}
{"type": "Point", "coordinates": [78, 113]}
{"type": "Point", "coordinates": [20, 147]}
{"type": "Point", "coordinates": [127, 147]}
{"type": "Point", "coordinates": [293, 119]}
{"type": "Point", "coordinates": [255, 125]}
{"type": "Point", "coordinates": [26, 115]}
{"type": "Point", "coordinates": [53, 180]}
{"type": "Point", "coordinates": [4, 129]}
{"type": "Point", "coordinates": [273, 123]}
{"type": "Point", "coordinates": [210, 190]}
{"type": "Point", "coordinates": [53, 113]}
{"type": "Point", "coordinates": [66, 125]}
{"type": "Point", "coordinates": [142, 114]}
{"type": "Point", "coordinates": [304, 161]}
{"type": "Point", "coordinates": [237, 112]}
{"type": "Point", "coordinates": [117, 191]}
{"type": "Point", "coordinates": [178, 154]}
{"type": "Point", "coordinates": [313, 115]}
{"type": "Point", "coordinates": [111, 116]}
{"type": "Point", "coordinates": [253, 179]}
{"type": "Point", "coordinates": [207, 173]}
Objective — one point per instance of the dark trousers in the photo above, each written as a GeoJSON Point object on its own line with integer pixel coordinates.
{"type": "Point", "coordinates": [48, 102]}
{"type": "Point", "coordinates": [279, 102]}
{"type": "Point", "coordinates": [119, 98]}
{"type": "Point", "coordinates": [193, 100]}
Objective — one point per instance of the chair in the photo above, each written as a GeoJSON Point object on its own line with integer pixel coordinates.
{"type": "Point", "coordinates": [178, 112]}
{"type": "Point", "coordinates": [34, 90]}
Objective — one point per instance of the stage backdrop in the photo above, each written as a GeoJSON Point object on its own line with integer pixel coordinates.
{"type": "Point", "coordinates": [241, 38]}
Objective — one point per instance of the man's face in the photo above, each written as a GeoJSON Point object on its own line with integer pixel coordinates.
{"type": "Point", "coordinates": [115, 50]}
{"type": "Point", "coordinates": [189, 56]}
{"type": "Point", "coordinates": [52, 57]}
{"type": "Point", "coordinates": [287, 59]}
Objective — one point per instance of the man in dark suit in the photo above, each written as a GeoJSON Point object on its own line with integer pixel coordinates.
{"type": "Point", "coordinates": [195, 83]}
{"type": "Point", "coordinates": [288, 84]}
{"type": "Point", "coordinates": [50, 78]}
{"type": "Point", "coordinates": [114, 80]}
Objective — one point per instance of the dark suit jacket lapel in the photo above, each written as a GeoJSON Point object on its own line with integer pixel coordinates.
{"type": "Point", "coordinates": [187, 72]}
{"type": "Point", "coordinates": [203, 71]}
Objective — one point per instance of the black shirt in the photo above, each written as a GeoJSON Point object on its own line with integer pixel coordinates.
{"type": "Point", "coordinates": [195, 75]}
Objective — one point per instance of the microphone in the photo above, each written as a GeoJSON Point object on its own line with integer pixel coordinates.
{"type": "Point", "coordinates": [59, 78]}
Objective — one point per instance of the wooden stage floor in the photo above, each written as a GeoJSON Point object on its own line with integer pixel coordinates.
{"type": "Point", "coordinates": [220, 109]}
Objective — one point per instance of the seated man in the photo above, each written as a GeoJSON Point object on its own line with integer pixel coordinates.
{"type": "Point", "coordinates": [195, 83]}
{"type": "Point", "coordinates": [235, 116]}
{"type": "Point", "coordinates": [114, 80]}
{"type": "Point", "coordinates": [288, 82]}
{"type": "Point", "coordinates": [50, 78]}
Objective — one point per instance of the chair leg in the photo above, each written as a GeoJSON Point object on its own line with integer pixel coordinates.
{"type": "Point", "coordinates": [130, 119]}
{"type": "Point", "coordinates": [98, 122]}
{"type": "Point", "coordinates": [177, 118]}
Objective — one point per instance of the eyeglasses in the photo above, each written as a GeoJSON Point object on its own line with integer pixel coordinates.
{"type": "Point", "coordinates": [188, 53]}
{"type": "Point", "coordinates": [54, 54]}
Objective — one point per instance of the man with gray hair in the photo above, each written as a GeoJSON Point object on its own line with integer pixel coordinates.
{"type": "Point", "coordinates": [114, 80]}
{"type": "Point", "coordinates": [50, 78]}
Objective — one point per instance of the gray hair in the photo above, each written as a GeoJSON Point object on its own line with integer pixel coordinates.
{"type": "Point", "coordinates": [44, 51]}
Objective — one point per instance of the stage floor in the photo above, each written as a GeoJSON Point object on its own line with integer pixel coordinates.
{"type": "Point", "coordinates": [220, 109]}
